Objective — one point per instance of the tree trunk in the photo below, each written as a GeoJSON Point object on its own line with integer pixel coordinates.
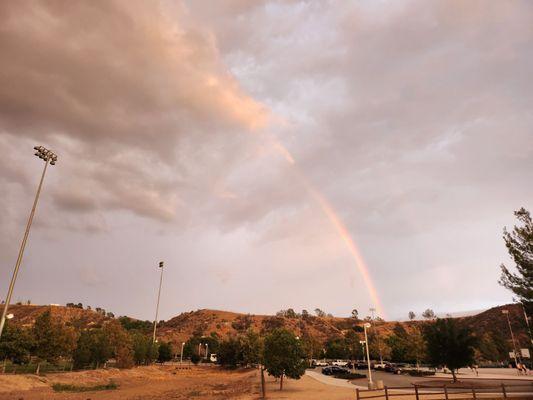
{"type": "Point", "coordinates": [453, 375]}
{"type": "Point", "coordinates": [4, 366]}
{"type": "Point", "coordinates": [281, 382]}
{"type": "Point", "coordinates": [38, 368]}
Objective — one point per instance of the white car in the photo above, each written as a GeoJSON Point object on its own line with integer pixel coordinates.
{"type": "Point", "coordinates": [319, 363]}
{"type": "Point", "coordinates": [340, 363]}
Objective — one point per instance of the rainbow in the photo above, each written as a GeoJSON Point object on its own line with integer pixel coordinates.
{"type": "Point", "coordinates": [341, 229]}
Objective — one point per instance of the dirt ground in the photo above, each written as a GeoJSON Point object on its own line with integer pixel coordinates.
{"type": "Point", "coordinates": [167, 382]}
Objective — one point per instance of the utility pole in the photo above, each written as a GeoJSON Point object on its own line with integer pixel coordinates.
{"type": "Point", "coordinates": [48, 157]}
{"type": "Point", "coordinates": [181, 354]}
{"type": "Point", "coordinates": [158, 297]}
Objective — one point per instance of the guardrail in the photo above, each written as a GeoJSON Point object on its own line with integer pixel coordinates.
{"type": "Point", "coordinates": [447, 392]}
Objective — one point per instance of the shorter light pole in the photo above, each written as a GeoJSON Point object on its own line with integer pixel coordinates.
{"type": "Point", "coordinates": [206, 350]}
{"type": "Point", "coordinates": [199, 349]}
{"type": "Point", "coordinates": [370, 383]}
{"type": "Point", "coordinates": [158, 297]}
{"type": "Point", "coordinates": [506, 312]}
{"type": "Point", "coordinates": [362, 343]}
{"type": "Point", "coordinates": [181, 354]}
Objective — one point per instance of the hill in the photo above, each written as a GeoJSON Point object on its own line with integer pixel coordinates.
{"type": "Point", "coordinates": [225, 324]}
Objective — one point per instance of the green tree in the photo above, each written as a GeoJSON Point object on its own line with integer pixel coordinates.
{"type": "Point", "coordinates": [16, 344]}
{"type": "Point", "coordinates": [428, 314]}
{"type": "Point", "coordinates": [165, 352]}
{"type": "Point", "coordinates": [449, 345]}
{"type": "Point", "coordinates": [93, 348]}
{"type": "Point", "coordinates": [337, 348]}
{"type": "Point", "coordinates": [412, 315]}
{"type": "Point", "coordinates": [252, 348]}
{"type": "Point", "coordinates": [283, 355]}
{"type": "Point", "coordinates": [144, 350]}
{"type": "Point", "coordinates": [230, 352]}
{"type": "Point", "coordinates": [52, 338]}
{"type": "Point", "coordinates": [120, 343]}
{"type": "Point", "coordinates": [519, 244]}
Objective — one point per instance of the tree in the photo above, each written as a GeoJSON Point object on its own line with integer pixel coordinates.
{"type": "Point", "coordinates": [144, 350]}
{"type": "Point", "coordinates": [449, 345]}
{"type": "Point", "coordinates": [283, 355]}
{"type": "Point", "coordinates": [92, 348]}
{"type": "Point", "coordinates": [252, 348]}
{"type": "Point", "coordinates": [337, 348]}
{"type": "Point", "coordinates": [412, 315]}
{"type": "Point", "coordinates": [519, 244]}
{"type": "Point", "coordinates": [428, 314]}
{"type": "Point", "coordinates": [16, 344]}
{"type": "Point", "coordinates": [120, 343]}
{"type": "Point", "coordinates": [230, 352]}
{"type": "Point", "coordinates": [355, 314]}
{"type": "Point", "coordinates": [320, 313]}
{"type": "Point", "coordinates": [52, 339]}
{"type": "Point", "coordinates": [165, 352]}
{"type": "Point", "coordinates": [305, 314]}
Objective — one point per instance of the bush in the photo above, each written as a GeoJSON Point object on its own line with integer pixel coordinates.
{"type": "Point", "coordinates": [349, 375]}
{"type": "Point", "coordinates": [195, 358]}
{"type": "Point", "coordinates": [414, 372]}
{"type": "Point", "coordinates": [61, 387]}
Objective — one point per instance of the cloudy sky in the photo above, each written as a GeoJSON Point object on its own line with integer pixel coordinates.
{"type": "Point", "coordinates": [249, 144]}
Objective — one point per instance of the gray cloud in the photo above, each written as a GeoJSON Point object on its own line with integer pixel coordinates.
{"type": "Point", "coordinates": [412, 118]}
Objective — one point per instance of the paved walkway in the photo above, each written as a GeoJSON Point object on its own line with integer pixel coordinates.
{"type": "Point", "coordinates": [487, 373]}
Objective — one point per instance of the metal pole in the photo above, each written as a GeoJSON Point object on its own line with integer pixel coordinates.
{"type": "Point", "coordinates": [368, 356]}
{"type": "Point", "coordinates": [512, 337]}
{"type": "Point", "coordinates": [21, 251]}
{"type": "Point", "coordinates": [158, 297]}
{"type": "Point", "coordinates": [181, 355]}
{"type": "Point", "coordinates": [206, 350]}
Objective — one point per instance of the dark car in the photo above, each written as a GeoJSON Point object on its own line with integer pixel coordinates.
{"type": "Point", "coordinates": [395, 368]}
{"type": "Point", "coordinates": [333, 370]}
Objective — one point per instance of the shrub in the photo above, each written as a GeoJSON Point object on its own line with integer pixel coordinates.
{"type": "Point", "coordinates": [195, 358]}
{"type": "Point", "coordinates": [349, 375]}
{"type": "Point", "coordinates": [414, 372]}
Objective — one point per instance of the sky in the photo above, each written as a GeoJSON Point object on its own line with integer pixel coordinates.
{"type": "Point", "coordinates": [274, 154]}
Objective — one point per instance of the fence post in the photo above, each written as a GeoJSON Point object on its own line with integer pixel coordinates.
{"type": "Point", "coordinates": [416, 392]}
{"type": "Point", "coordinates": [503, 391]}
{"type": "Point", "coordinates": [445, 392]}
{"type": "Point", "coordinates": [386, 393]}
{"type": "Point", "coordinates": [474, 393]}
{"type": "Point", "coordinates": [263, 393]}
{"type": "Point", "coordinates": [357, 393]}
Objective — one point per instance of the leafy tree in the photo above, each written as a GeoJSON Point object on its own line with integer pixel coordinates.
{"type": "Point", "coordinates": [52, 339]}
{"type": "Point", "coordinates": [165, 352]}
{"type": "Point", "coordinates": [305, 314]}
{"type": "Point", "coordinates": [242, 323]}
{"type": "Point", "coordinates": [230, 352]}
{"type": "Point", "coordinates": [290, 313]}
{"type": "Point", "coordinates": [16, 344]}
{"type": "Point", "coordinates": [283, 355]}
{"type": "Point", "coordinates": [449, 345]}
{"type": "Point", "coordinates": [134, 324]}
{"type": "Point", "coordinates": [377, 347]}
{"type": "Point", "coordinates": [93, 348]}
{"type": "Point", "coordinates": [412, 315]}
{"type": "Point", "coordinates": [311, 346]}
{"type": "Point", "coordinates": [144, 350]}
{"type": "Point", "coordinates": [354, 346]}
{"type": "Point", "coordinates": [120, 343]}
{"type": "Point", "coordinates": [519, 244]}
{"type": "Point", "coordinates": [337, 348]}
{"type": "Point", "coordinates": [355, 314]}
{"type": "Point", "coordinates": [252, 348]}
{"type": "Point", "coordinates": [271, 323]}
{"type": "Point", "coordinates": [320, 313]}
{"type": "Point", "coordinates": [428, 314]}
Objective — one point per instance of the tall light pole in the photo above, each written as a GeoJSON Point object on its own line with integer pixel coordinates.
{"type": "Point", "coordinates": [206, 350]}
{"type": "Point", "coordinates": [370, 383]}
{"type": "Point", "coordinates": [181, 355]}
{"type": "Point", "coordinates": [506, 312]}
{"type": "Point", "coordinates": [158, 297]}
{"type": "Point", "coordinates": [48, 157]}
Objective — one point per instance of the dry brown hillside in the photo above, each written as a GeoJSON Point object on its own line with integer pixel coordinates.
{"type": "Point", "coordinates": [225, 323]}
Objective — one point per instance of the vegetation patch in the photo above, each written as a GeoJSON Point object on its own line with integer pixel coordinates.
{"type": "Point", "coordinates": [62, 387]}
{"type": "Point", "coordinates": [349, 375]}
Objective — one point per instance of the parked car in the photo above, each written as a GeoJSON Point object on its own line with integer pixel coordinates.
{"type": "Point", "coordinates": [213, 358]}
{"type": "Point", "coordinates": [340, 363]}
{"type": "Point", "coordinates": [334, 370]}
{"type": "Point", "coordinates": [320, 363]}
{"type": "Point", "coordinates": [395, 368]}
{"type": "Point", "coordinates": [380, 366]}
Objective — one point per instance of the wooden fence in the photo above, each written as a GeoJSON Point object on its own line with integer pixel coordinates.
{"type": "Point", "coordinates": [449, 392]}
